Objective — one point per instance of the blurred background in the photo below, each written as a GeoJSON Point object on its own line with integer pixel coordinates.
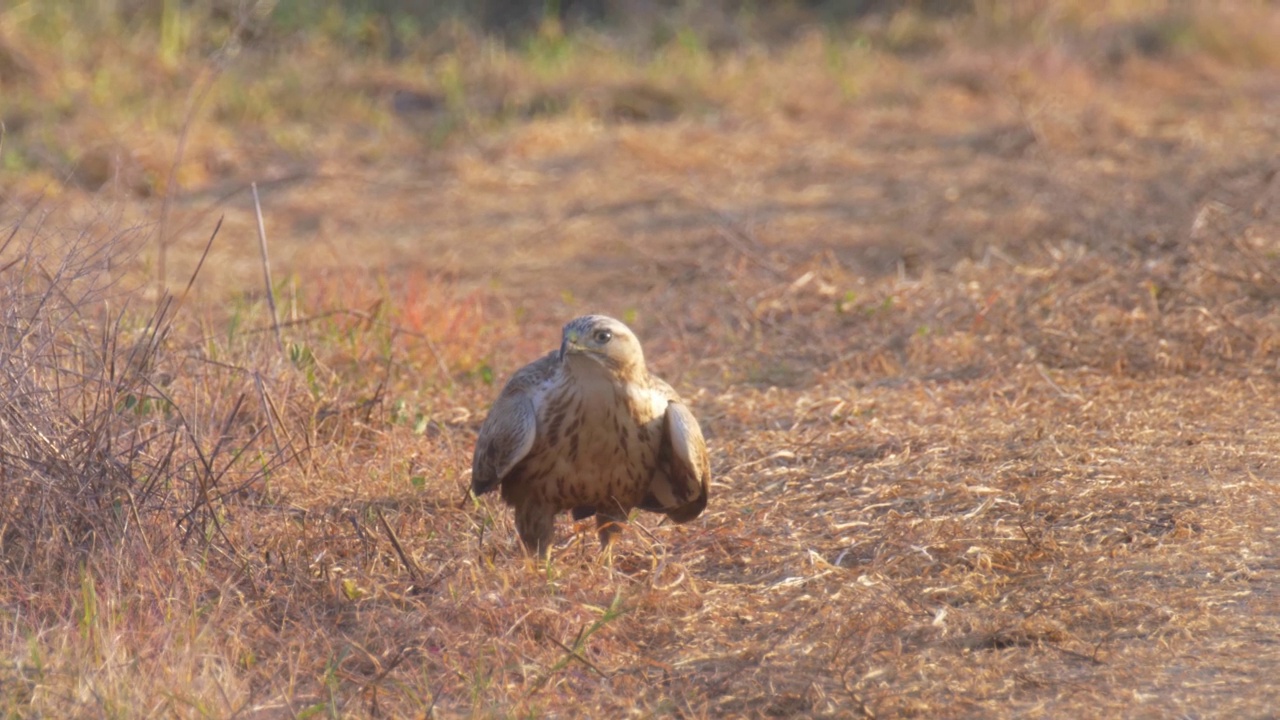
{"type": "Point", "coordinates": [98, 91]}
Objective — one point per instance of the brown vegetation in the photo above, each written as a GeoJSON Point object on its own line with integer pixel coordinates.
{"type": "Point", "coordinates": [978, 313]}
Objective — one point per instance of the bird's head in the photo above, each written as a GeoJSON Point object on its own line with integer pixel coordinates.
{"type": "Point", "coordinates": [604, 340]}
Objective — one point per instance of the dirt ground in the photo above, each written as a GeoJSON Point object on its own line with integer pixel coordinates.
{"type": "Point", "coordinates": [985, 343]}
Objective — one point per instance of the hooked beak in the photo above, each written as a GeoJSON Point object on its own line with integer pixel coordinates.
{"type": "Point", "coordinates": [570, 342]}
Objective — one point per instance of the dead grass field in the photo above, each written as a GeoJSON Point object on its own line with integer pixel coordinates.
{"type": "Point", "coordinates": [979, 316]}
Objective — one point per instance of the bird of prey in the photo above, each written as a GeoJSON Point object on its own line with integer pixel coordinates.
{"type": "Point", "coordinates": [588, 429]}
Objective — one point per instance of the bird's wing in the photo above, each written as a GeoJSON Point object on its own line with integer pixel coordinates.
{"type": "Point", "coordinates": [509, 430]}
{"type": "Point", "coordinates": [681, 486]}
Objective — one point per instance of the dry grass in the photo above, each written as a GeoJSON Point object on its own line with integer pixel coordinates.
{"type": "Point", "coordinates": [982, 331]}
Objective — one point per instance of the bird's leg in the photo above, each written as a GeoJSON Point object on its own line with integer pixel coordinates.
{"type": "Point", "coordinates": [536, 526]}
{"type": "Point", "coordinates": [608, 525]}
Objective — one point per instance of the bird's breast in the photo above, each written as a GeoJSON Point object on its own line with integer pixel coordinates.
{"type": "Point", "coordinates": [600, 442]}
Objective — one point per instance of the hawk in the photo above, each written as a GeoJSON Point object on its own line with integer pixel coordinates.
{"type": "Point", "coordinates": [588, 429]}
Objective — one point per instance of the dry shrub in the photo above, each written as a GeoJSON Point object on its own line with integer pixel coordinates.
{"type": "Point", "coordinates": [98, 440]}
{"type": "Point", "coordinates": [117, 478]}
{"type": "Point", "coordinates": [80, 456]}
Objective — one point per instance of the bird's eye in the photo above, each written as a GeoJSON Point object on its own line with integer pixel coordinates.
{"type": "Point", "coordinates": [602, 336]}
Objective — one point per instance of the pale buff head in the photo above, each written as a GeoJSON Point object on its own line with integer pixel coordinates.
{"type": "Point", "coordinates": [604, 340]}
